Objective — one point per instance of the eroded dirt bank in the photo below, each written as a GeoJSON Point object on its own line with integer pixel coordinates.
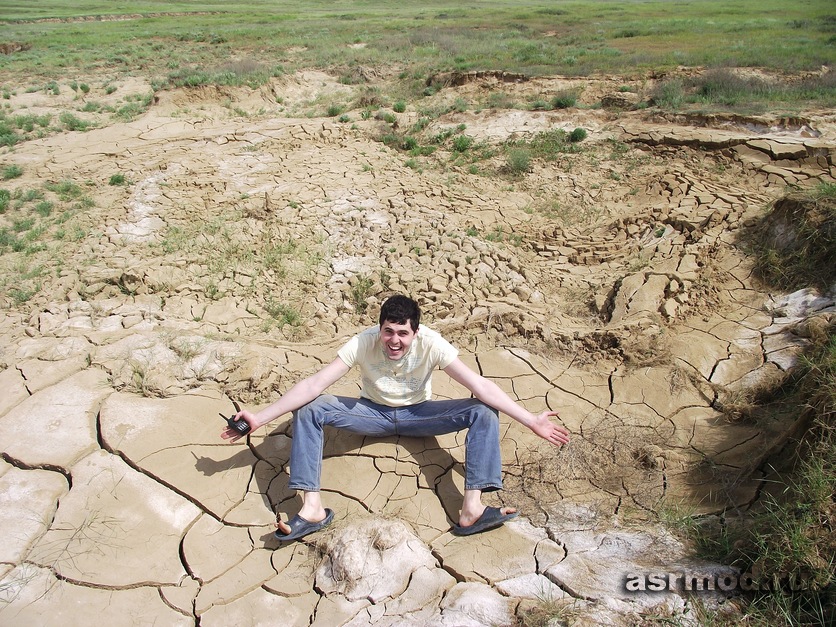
{"type": "Point", "coordinates": [245, 241]}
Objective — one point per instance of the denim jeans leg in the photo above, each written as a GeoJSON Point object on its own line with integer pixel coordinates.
{"type": "Point", "coordinates": [351, 414]}
{"type": "Point", "coordinates": [483, 461]}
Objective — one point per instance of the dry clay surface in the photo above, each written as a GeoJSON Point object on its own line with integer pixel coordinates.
{"type": "Point", "coordinates": [607, 286]}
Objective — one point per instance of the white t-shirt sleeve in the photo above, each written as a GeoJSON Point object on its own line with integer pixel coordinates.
{"type": "Point", "coordinates": [348, 353]}
{"type": "Point", "coordinates": [444, 353]}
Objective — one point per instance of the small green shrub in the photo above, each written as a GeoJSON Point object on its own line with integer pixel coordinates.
{"type": "Point", "coordinates": [333, 110]}
{"type": "Point", "coordinates": [283, 314]}
{"type": "Point", "coordinates": [669, 95]}
{"type": "Point", "coordinates": [360, 291]}
{"type": "Point", "coordinates": [66, 190]}
{"type": "Point", "coordinates": [577, 135]}
{"type": "Point", "coordinates": [518, 161]}
{"type": "Point", "coordinates": [118, 179]}
{"type": "Point", "coordinates": [564, 100]}
{"type": "Point", "coordinates": [72, 123]}
{"type": "Point", "coordinates": [462, 143]}
{"type": "Point", "coordinates": [23, 224]}
{"type": "Point", "coordinates": [44, 208]}
{"type": "Point", "coordinates": [399, 107]}
{"type": "Point", "coordinates": [8, 135]}
{"type": "Point", "coordinates": [12, 172]}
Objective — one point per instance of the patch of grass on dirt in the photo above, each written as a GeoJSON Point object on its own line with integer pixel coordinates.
{"type": "Point", "coordinates": [247, 72]}
{"type": "Point", "coordinates": [549, 145]}
{"type": "Point", "coordinates": [16, 128]}
{"type": "Point", "coordinates": [135, 105]}
{"type": "Point", "coordinates": [547, 611]}
{"type": "Point", "coordinates": [794, 245]}
{"type": "Point", "coordinates": [283, 314]}
{"type": "Point", "coordinates": [727, 89]}
{"type": "Point", "coordinates": [12, 172]}
{"type": "Point", "coordinates": [362, 286]}
{"type": "Point", "coordinates": [36, 225]}
{"type": "Point", "coordinates": [227, 252]}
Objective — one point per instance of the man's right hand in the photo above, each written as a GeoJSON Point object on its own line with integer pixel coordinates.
{"type": "Point", "coordinates": [231, 434]}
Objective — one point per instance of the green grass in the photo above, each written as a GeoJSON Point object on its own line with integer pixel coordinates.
{"type": "Point", "coordinates": [546, 145]}
{"type": "Point", "coordinates": [37, 224]}
{"type": "Point", "coordinates": [283, 314]}
{"type": "Point", "coordinates": [11, 172]}
{"type": "Point", "coordinates": [534, 38]}
{"type": "Point", "coordinates": [726, 89]}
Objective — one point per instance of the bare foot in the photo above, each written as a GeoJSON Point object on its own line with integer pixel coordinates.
{"type": "Point", "coordinates": [314, 516]}
{"type": "Point", "coordinates": [466, 519]}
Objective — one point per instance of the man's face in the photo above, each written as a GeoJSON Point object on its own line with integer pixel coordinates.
{"type": "Point", "coordinates": [396, 338]}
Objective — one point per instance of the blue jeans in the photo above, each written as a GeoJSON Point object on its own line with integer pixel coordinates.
{"type": "Point", "coordinates": [483, 464]}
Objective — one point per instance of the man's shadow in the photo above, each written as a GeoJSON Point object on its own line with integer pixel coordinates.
{"type": "Point", "coordinates": [272, 453]}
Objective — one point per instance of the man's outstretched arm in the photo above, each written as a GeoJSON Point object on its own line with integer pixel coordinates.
{"type": "Point", "coordinates": [300, 394]}
{"type": "Point", "coordinates": [491, 394]}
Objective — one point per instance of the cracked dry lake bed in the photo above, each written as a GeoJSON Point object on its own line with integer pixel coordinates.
{"type": "Point", "coordinates": [242, 250]}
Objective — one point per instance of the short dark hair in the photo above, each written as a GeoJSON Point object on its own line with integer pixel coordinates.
{"type": "Point", "coordinates": [400, 309]}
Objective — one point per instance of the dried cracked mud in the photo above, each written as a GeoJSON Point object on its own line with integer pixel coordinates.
{"type": "Point", "coordinates": [252, 238]}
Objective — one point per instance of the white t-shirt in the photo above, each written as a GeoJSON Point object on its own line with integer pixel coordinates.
{"type": "Point", "coordinates": [407, 381]}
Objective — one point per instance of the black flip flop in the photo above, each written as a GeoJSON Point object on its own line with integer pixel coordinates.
{"type": "Point", "coordinates": [299, 527]}
{"type": "Point", "coordinates": [491, 518]}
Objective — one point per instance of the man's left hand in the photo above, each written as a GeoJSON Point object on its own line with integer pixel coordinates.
{"type": "Point", "coordinates": [549, 431]}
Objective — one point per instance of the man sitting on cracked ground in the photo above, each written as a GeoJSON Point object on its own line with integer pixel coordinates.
{"type": "Point", "coordinates": [396, 360]}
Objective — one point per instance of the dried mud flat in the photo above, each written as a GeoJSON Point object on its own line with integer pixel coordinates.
{"type": "Point", "coordinates": [245, 246]}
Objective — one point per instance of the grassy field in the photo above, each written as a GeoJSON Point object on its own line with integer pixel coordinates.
{"type": "Point", "coordinates": [537, 38]}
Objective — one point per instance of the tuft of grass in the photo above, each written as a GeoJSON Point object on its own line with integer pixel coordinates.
{"type": "Point", "coordinates": [461, 143]}
{"type": "Point", "coordinates": [333, 110]}
{"type": "Point", "coordinates": [669, 95]}
{"type": "Point", "coordinates": [518, 161]}
{"type": "Point", "coordinates": [12, 172]}
{"type": "Point", "coordinates": [361, 289]}
{"type": "Point", "coordinates": [547, 145]}
{"type": "Point", "coordinates": [66, 190]}
{"type": "Point", "coordinates": [72, 123]}
{"type": "Point", "coordinates": [283, 314]}
{"type": "Point", "coordinates": [548, 612]}
{"type": "Point", "coordinates": [564, 100]}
